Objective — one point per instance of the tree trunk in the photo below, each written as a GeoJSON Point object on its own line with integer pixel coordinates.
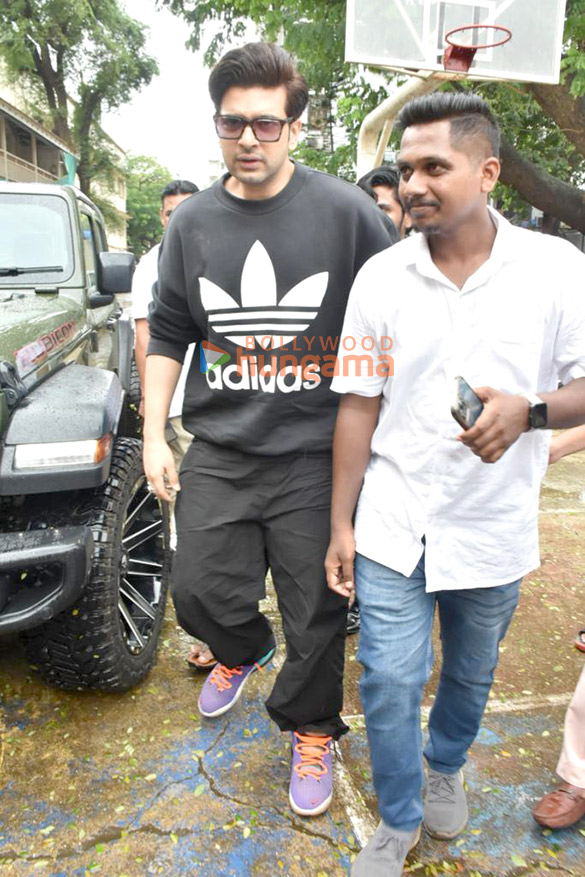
{"type": "Point", "coordinates": [541, 189]}
{"type": "Point", "coordinates": [62, 117]}
{"type": "Point", "coordinates": [550, 224]}
{"type": "Point", "coordinates": [55, 91]}
{"type": "Point", "coordinates": [84, 180]}
{"type": "Point", "coordinates": [567, 111]}
{"type": "Point", "coordinates": [87, 116]}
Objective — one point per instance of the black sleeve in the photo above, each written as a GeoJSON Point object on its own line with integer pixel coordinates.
{"type": "Point", "coordinates": [391, 227]}
{"type": "Point", "coordinates": [170, 321]}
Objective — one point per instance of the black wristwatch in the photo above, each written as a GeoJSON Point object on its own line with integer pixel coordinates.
{"type": "Point", "coordinates": [537, 413]}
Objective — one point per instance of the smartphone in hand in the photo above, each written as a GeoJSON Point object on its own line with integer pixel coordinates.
{"type": "Point", "coordinates": [467, 406]}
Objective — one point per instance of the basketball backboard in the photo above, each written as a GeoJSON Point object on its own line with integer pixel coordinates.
{"type": "Point", "coordinates": [410, 34]}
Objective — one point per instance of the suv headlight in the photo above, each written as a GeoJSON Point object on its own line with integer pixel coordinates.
{"type": "Point", "coordinates": [58, 454]}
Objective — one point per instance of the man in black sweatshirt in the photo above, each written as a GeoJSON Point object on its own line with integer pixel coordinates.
{"type": "Point", "coordinates": [257, 270]}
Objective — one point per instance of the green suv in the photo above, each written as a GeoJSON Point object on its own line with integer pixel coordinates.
{"type": "Point", "coordinates": [84, 543]}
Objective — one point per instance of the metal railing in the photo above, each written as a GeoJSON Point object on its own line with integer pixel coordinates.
{"type": "Point", "coordinates": [16, 169]}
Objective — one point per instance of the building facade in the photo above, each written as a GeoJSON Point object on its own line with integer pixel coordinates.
{"type": "Point", "coordinates": [29, 153]}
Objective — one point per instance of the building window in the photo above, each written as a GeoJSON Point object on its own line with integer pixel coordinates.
{"type": "Point", "coordinates": [48, 158]}
{"type": "Point", "coordinates": [18, 140]}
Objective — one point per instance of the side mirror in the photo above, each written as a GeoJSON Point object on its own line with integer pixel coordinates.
{"type": "Point", "coordinates": [115, 272]}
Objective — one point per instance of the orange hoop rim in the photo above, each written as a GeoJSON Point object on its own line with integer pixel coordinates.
{"type": "Point", "coordinates": [497, 27]}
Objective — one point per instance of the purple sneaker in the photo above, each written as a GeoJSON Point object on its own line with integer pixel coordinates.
{"type": "Point", "coordinates": [311, 779]}
{"type": "Point", "coordinates": [223, 687]}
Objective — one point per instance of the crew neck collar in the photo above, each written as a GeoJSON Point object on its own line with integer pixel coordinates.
{"type": "Point", "coordinates": [262, 205]}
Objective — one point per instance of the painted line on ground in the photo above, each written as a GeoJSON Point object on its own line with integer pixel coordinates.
{"type": "Point", "coordinates": [562, 511]}
{"type": "Point", "coordinates": [519, 704]}
{"type": "Point", "coordinates": [363, 822]}
{"type": "Point", "coordinates": [525, 704]}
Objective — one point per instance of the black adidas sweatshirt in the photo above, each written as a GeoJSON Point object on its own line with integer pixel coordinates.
{"type": "Point", "coordinates": [262, 287]}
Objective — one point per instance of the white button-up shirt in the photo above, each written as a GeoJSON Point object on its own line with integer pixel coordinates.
{"type": "Point", "coordinates": [518, 325]}
{"type": "Point", "coordinates": [145, 276]}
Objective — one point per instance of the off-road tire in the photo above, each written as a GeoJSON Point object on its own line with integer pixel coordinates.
{"type": "Point", "coordinates": [131, 423]}
{"type": "Point", "coordinates": [88, 646]}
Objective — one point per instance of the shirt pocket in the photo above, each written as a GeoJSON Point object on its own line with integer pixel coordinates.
{"type": "Point", "coordinates": [514, 342]}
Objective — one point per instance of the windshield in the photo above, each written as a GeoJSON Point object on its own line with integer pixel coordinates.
{"type": "Point", "coordinates": [35, 240]}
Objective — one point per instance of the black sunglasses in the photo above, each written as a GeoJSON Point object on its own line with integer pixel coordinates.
{"type": "Point", "coordinates": [265, 130]}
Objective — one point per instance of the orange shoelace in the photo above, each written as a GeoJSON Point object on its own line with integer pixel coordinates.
{"type": "Point", "coordinates": [312, 751]}
{"type": "Point", "coordinates": [221, 676]}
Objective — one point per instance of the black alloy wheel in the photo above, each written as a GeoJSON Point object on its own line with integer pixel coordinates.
{"type": "Point", "coordinates": [108, 639]}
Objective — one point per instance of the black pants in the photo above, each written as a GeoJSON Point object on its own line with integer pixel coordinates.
{"type": "Point", "coordinates": [238, 514]}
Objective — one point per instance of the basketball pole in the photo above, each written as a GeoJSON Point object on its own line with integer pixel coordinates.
{"type": "Point", "coordinates": [376, 128]}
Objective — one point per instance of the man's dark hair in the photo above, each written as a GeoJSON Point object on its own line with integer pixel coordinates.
{"type": "Point", "coordinates": [469, 115]}
{"type": "Point", "coordinates": [260, 64]}
{"type": "Point", "coordinates": [385, 175]}
{"type": "Point", "coordinates": [178, 187]}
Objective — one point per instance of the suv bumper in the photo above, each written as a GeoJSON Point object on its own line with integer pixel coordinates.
{"type": "Point", "coordinates": [68, 549]}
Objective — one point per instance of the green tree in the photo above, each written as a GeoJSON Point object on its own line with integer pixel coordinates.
{"type": "Point", "coordinates": [540, 163]}
{"type": "Point", "coordinates": [544, 146]}
{"type": "Point", "coordinates": [146, 179]}
{"type": "Point", "coordinates": [313, 30]}
{"type": "Point", "coordinates": [88, 51]}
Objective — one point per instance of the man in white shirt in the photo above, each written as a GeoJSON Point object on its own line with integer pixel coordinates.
{"type": "Point", "coordinates": [145, 276]}
{"type": "Point", "coordinates": [435, 525]}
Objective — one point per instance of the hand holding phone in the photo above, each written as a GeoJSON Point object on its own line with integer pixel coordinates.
{"type": "Point", "coordinates": [467, 406]}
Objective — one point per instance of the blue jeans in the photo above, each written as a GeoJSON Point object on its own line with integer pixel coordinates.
{"type": "Point", "coordinates": [396, 652]}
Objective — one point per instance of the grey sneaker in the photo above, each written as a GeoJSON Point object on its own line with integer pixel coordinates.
{"type": "Point", "coordinates": [385, 853]}
{"type": "Point", "coordinates": [445, 804]}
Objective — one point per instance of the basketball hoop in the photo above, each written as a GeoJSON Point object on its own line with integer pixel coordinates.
{"type": "Point", "coordinates": [458, 56]}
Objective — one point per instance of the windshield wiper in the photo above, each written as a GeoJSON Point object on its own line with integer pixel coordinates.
{"type": "Point", "coordinates": [39, 269]}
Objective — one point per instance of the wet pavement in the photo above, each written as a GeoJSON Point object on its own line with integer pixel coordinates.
{"type": "Point", "coordinates": [139, 784]}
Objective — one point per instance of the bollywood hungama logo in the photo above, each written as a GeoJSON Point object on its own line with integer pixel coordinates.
{"type": "Point", "coordinates": [211, 356]}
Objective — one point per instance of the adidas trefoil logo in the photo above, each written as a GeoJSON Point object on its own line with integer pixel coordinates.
{"type": "Point", "coordinates": [272, 324]}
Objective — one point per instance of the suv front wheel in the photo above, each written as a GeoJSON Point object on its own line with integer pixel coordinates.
{"type": "Point", "coordinates": [108, 639]}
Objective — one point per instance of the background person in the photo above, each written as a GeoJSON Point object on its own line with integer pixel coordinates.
{"type": "Point", "coordinates": [436, 527]}
{"type": "Point", "coordinates": [145, 277]}
{"type": "Point", "coordinates": [569, 441]}
{"type": "Point", "coordinates": [381, 184]}
{"type": "Point", "coordinates": [260, 263]}
{"type": "Point", "coordinates": [566, 805]}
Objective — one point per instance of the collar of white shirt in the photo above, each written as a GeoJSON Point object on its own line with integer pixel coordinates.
{"type": "Point", "coordinates": [504, 249]}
